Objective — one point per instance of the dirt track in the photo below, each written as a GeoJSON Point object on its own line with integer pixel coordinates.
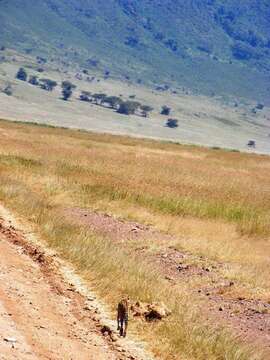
{"type": "Point", "coordinates": [46, 316]}
{"type": "Point", "coordinates": [249, 318]}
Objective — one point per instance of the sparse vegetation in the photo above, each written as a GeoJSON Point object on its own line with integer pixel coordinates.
{"type": "Point", "coordinates": [146, 109]}
{"type": "Point", "coordinates": [21, 74]}
{"type": "Point", "coordinates": [128, 107]}
{"type": "Point", "coordinates": [172, 123]}
{"type": "Point", "coordinates": [86, 96]}
{"type": "Point", "coordinates": [251, 143]}
{"type": "Point", "coordinates": [165, 110]}
{"type": "Point", "coordinates": [260, 106]}
{"type": "Point", "coordinates": [33, 80]}
{"type": "Point", "coordinates": [216, 216]}
{"type": "Point", "coordinates": [113, 101]}
{"type": "Point", "coordinates": [47, 84]}
{"type": "Point", "coordinates": [99, 98]}
{"type": "Point", "coordinates": [106, 74]}
{"type": "Point", "coordinates": [41, 60]}
{"type": "Point", "coordinates": [116, 103]}
{"type": "Point", "coordinates": [67, 89]}
{"type": "Point", "coordinates": [237, 34]}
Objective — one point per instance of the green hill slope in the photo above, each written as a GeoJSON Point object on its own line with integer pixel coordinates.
{"type": "Point", "coordinates": [210, 46]}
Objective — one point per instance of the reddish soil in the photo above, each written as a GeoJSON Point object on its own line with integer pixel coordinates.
{"type": "Point", "coordinates": [248, 318]}
{"type": "Point", "coordinates": [44, 317]}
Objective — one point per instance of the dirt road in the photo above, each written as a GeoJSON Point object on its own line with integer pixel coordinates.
{"type": "Point", "coordinates": [44, 317]}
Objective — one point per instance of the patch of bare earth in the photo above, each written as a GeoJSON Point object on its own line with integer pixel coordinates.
{"type": "Point", "coordinates": [42, 315]}
{"type": "Point", "coordinates": [248, 318]}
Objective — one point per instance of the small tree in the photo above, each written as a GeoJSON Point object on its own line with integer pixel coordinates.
{"type": "Point", "coordinates": [33, 80]}
{"type": "Point", "coordinates": [67, 89]}
{"type": "Point", "coordinates": [260, 106]}
{"type": "Point", "coordinates": [251, 143]}
{"type": "Point", "coordinates": [165, 110]}
{"type": "Point", "coordinates": [106, 74]}
{"type": "Point", "coordinates": [21, 74]}
{"type": "Point", "coordinates": [85, 96]}
{"type": "Point", "coordinates": [172, 123]}
{"type": "Point", "coordinates": [47, 84]}
{"type": "Point", "coordinates": [128, 107]}
{"type": "Point", "coordinates": [113, 101]}
{"type": "Point", "coordinates": [146, 109]}
{"type": "Point", "coordinates": [99, 98]}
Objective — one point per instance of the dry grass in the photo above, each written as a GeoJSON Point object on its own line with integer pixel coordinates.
{"type": "Point", "coordinates": [217, 202]}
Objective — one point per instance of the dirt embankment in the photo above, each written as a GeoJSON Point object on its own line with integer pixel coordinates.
{"type": "Point", "coordinates": [44, 316]}
{"type": "Point", "coordinates": [248, 318]}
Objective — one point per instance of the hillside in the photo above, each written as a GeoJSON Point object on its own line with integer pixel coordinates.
{"type": "Point", "coordinates": [201, 120]}
{"type": "Point", "coordinates": [210, 46]}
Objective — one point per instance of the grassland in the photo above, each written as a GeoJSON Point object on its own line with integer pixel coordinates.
{"type": "Point", "coordinates": [217, 204]}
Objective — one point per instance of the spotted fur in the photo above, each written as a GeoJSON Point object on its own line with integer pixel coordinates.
{"type": "Point", "coordinates": [122, 316]}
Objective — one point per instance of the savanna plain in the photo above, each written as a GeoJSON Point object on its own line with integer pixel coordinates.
{"type": "Point", "coordinates": [181, 225]}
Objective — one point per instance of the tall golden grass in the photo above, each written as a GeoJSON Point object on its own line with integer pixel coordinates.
{"type": "Point", "coordinates": [216, 202]}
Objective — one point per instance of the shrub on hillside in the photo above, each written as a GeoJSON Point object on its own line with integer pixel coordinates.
{"type": "Point", "coordinates": [260, 106]}
{"type": "Point", "coordinates": [28, 51]}
{"type": "Point", "coordinates": [242, 51]}
{"type": "Point", "coordinates": [92, 62]}
{"type": "Point", "coordinates": [21, 74]}
{"type": "Point", "coordinates": [106, 74]}
{"type": "Point", "coordinates": [165, 110]}
{"type": "Point", "coordinates": [113, 101]}
{"type": "Point", "coordinates": [171, 44]}
{"type": "Point", "coordinates": [251, 143]}
{"type": "Point", "coordinates": [146, 109]}
{"type": "Point", "coordinates": [47, 84]}
{"type": "Point", "coordinates": [67, 89]}
{"type": "Point", "coordinates": [85, 96]}
{"type": "Point", "coordinates": [172, 123]}
{"type": "Point", "coordinates": [41, 60]}
{"type": "Point", "coordinates": [33, 80]}
{"type": "Point", "coordinates": [128, 107]}
{"type": "Point", "coordinates": [99, 98]}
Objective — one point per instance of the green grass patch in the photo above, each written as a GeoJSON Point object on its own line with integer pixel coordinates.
{"type": "Point", "coordinates": [236, 213]}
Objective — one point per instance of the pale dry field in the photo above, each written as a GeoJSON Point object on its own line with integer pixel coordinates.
{"type": "Point", "coordinates": [202, 120]}
{"type": "Point", "coordinates": [214, 204]}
